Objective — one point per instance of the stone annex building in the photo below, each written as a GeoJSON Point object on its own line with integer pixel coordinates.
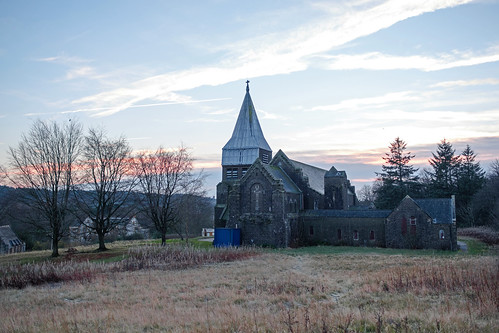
{"type": "Point", "coordinates": [280, 202]}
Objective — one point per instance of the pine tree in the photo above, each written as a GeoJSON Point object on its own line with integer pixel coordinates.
{"type": "Point", "coordinates": [471, 176]}
{"type": "Point", "coordinates": [398, 171]}
{"type": "Point", "coordinates": [470, 179]}
{"type": "Point", "coordinates": [397, 177]}
{"type": "Point", "coordinates": [445, 172]}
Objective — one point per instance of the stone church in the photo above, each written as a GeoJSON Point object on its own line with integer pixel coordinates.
{"type": "Point", "coordinates": [279, 202]}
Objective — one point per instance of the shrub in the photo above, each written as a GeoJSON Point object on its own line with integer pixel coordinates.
{"type": "Point", "coordinates": [20, 276]}
{"type": "Point", "coordinates": [143, 257]}
{"type": "Point", "coordinates": [180, 257]}
{"type": "Point", "coordinates": [484, 234]}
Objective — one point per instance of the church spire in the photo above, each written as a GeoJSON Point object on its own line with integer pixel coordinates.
{"type": "Point", "coordinates": [247, 142]}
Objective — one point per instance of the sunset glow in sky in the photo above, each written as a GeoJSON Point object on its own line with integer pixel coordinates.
{"type": "Point", "coordinates": [333, 82]}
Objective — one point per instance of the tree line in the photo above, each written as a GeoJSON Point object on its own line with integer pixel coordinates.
{"type": "Point", "coordinates": [97, 180]}
{"type": "Point", "coordinates": [476, 193]}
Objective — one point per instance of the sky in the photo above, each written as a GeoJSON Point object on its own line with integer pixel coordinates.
{"type": "Point", "coordinates": [333, 82]}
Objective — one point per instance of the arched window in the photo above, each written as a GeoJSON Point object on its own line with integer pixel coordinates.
{"type": "Point", "coordinates": [441, 234]}
{"type": "Point", "coordinates": [256, 197]}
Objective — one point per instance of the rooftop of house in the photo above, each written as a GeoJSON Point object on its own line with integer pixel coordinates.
{"type": "Point", "coordinates": [441, 210]}
{"type": "Point", "coordinates": [8, 236]}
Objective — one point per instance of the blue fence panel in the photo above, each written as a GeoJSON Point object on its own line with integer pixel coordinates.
{"type": "Point", "coordinates": [227, 237]}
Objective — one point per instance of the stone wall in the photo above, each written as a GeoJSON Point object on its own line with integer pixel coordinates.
{"type": "Point", "coordinates": [353, 231]}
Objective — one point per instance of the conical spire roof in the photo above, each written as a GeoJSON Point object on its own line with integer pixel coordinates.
{"type": "Point", "coordinates": [247, 137]}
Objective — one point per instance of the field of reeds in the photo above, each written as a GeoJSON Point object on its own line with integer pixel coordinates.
{"type": "Point", "coordinates": [188, 289]}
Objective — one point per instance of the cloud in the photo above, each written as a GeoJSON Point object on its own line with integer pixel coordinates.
{"type": "Point", "coordinates": [64, 59]}
{"type": "Point", "coordinates": [78, 67]}
{"type": "Point", "coordinates": [105, 111]}
{"type": "Point", "coordinates": [208, 120]}
{"type": "Point", "coordinates": [221, 112]}
{"type": "Point", "coordinates": [466, 83]}
{"type": "Point", "coordinates": [370, 102]}
{"type": "Point", "coordinates": [380, 61]}
{"type": "Point", "coordinates": [215, 164]}
{"type": "Point", "coordinates": [140, 138]}
{"type": "Point", "coordinates": [85, 71]}
{"type": "Point", "coordinates": [268, 115]}
{"type": "Point", "coordinates": [270, 54]}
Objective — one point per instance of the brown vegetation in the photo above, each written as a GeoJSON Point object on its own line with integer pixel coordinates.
{"type": "Point", "coordinates": [484, 234]}
{"type": "Point", "coordinates": [276, 292]}
{"type": "Point", "coordinates": [73, 268]}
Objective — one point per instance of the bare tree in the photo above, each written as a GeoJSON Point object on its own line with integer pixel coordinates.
{"type": "Point", "coordinates": [43, 164]}
{"type": "Point", "coordinates": [104, 192]}
{"type": "Point", "coordinates": [367, 194]}
{"type": "Point", "coordinates": [166, 181]}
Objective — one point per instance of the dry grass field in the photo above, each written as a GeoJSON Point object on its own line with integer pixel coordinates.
{"type": "Point", "coordinates": [304, 290]}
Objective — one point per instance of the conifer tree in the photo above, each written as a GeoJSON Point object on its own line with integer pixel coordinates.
{"type": "Point", "coordinates": [397, 169]}
{"type": "Point", "coordinates": [471, 176]}
{"type": "Point", "coordinates": [445, 171]}
{"type": "Point", "coordinates": [397, 178]}
{"type": "Point", "coordinates": [470, 179]}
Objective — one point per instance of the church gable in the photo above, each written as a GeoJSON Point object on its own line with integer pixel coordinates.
{"type": "Point", "coordinates": [309, 179]}
{"type": "Point", "coordinates": [257, 185]}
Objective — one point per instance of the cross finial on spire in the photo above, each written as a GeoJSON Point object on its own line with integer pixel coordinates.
{"type": "Point", "coordinates": [247, 85]}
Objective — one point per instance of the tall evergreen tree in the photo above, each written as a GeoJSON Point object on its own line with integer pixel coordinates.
{"type": "Point", "coordinates": [445, 171]}
{"type": "Point", "coordinates": [471, 176]}
{"type": "Point", "coordinates": [397, 178]}
{"type": "Point", "coordinates": [470, 179]}
{"type": "Point", "coordinates": [397, 169]}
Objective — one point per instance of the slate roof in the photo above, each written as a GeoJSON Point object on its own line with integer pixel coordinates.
{"type": "Point", "coordinates": [8, 237]}
{"type": "Point", "coordinates": [335, 173]}
{"type": "Point", "coordinates": [247, 137]}
{"type": "Point", "coordinates": [315, 175]}
{"type": "Point", "coordinates": [440, 210]}
{"type": "Point", "coordinates": [347, 213]}
{"type": "Point", "coordinates": [278, 173]}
